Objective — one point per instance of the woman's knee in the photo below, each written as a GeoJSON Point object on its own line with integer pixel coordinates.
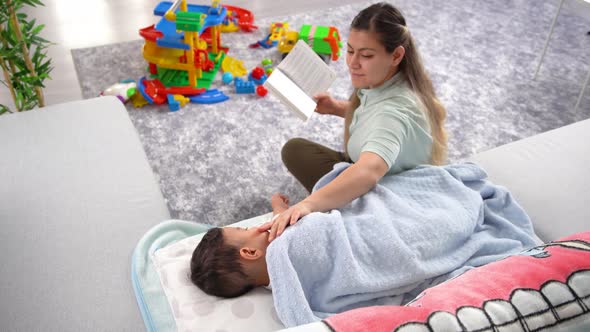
{"type": "Point", "coordinates": [294, 150]}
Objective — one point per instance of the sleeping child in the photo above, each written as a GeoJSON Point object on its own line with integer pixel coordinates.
{"type": "Point", "coordinates": [230, 261]}
{"type": "Point", "coordinates": [412, 231]}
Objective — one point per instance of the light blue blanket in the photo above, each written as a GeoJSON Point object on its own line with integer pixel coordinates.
{"type": "Point", "coordinates": [413, 230]}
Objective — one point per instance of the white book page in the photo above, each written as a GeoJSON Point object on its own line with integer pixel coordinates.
{"type": "Point", "coordinates": [304, 67]}
{"type": "Point", "coordinates": [290, 94]}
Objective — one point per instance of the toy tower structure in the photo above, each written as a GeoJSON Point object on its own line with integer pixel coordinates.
{"type": "Point", "coordinates": [176, 48]}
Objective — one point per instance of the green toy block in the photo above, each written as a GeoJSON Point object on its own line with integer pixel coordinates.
{"type": "Point", "coordinates": [304, 32]}
{"type": "Point", "coordinates": [319, 44]}
{"type": "Point", "coordinates": [173, 77]}
{"type": "Point", "coordinates": [209, 76]}
{"type": "Point", "coordinates": [188, 21]}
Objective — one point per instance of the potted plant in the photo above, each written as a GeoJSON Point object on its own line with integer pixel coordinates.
{"type": "Point", "coordinates": [23, 56]}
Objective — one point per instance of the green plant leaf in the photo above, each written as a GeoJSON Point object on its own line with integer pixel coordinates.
{"type": "Point", "coordinates": [17, 5]}
{"type": "Point", "coordinates": [33, 3]}
{"type": "Point", "coordinates": [8, 53]}
{"type": "Point", "coordinates": [12, 53]}
{"type": "Point", "coordinates": [39, 42]}
{"type": "Point", "coordinates": [37, 29]}
{"type": "Point", "coordinates": [4, 109]}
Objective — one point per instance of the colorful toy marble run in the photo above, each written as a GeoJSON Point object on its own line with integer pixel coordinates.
{"type": "Point", "coordinates": [184, 47]}
{"type": "Point", "coordinates": [184, 52]}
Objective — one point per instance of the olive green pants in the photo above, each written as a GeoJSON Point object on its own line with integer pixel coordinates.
{"type": "Point", "coordinates": [309, 161]}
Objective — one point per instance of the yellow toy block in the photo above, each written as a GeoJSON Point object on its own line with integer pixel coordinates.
{"type": "Point", "coordinates": [234, 66]}
{"type": "Point", "coordinates": [277, 30]}
{"type": "Point", "coordinates": [181, 99]}
{"type": "Point", "coordinates": [138, 101]}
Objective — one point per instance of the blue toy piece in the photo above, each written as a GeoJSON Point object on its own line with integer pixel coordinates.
{"type": "Point", "coordinates": [141, 88]}
{"type": "Point", "coordinates": [264, 43]}
{"type": "Point", "coordinates": [257, 82]}
{"type": "Point", "coordinates": [209, 97]}
{"type": "Point", "coordinates": [211, 19]}
{"type": "Point", "coordinates": [227, 77]}
{"type": "Point", "coordinates": [244, 86]}
{"type": "Point", "coordinates": [173, 104]}
{"type": "Point", "coordinates": [174, 39]}
{"type": "Point", "coordinates": [172, 42]}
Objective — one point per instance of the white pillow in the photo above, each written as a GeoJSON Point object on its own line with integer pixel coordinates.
{"type": "Point", "coordinates": [194, 310]}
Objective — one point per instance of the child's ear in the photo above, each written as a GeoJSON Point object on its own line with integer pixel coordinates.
{"type": "Point", "coordinates": [251, 253]}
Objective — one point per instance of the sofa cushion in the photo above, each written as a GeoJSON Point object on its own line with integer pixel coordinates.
{"type": "Point", "coordinates": [548, 176]}
{"type": "Point", "coordinates": [76, 192]}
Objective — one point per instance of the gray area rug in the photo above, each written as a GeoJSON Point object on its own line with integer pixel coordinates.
{"type": "Point", "coordinates": [220, 163]}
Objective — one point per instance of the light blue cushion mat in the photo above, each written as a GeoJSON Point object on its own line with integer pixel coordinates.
{"type": "Point", "coordinates": [151, 298]}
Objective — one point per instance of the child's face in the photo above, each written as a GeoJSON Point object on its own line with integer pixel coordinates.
{"type": "Point", "coordinates": [246, 237]}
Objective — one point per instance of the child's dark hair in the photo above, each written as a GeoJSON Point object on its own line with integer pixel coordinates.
{"type": "Point", "coordinates": [216, 267]}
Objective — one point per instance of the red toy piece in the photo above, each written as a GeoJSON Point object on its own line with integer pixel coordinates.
{"type": "Point", "coordinates": [261, 91]}
{"type": "Point", "coordinates": [257, 73]}
{"type": "Point", "coordinates": [244, 17]}
{"type": "Point", "coordinates": [184, 90]}
{"type": "Point", "coordinates": [156, 91]}
{"type": "Point", "coordinates": [151, 33]}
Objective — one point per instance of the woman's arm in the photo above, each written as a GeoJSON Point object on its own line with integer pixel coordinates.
{"type": "Point", "coordinates": [354, 182]}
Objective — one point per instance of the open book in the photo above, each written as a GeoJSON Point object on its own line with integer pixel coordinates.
{"type": "Point", "coordinates": [300, 76]}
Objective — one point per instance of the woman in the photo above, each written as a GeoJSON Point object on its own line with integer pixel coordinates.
{"type": "Point", "coordinates": [393, 120]}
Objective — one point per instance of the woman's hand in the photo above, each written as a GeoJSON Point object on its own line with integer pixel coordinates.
{"type": "Point", "coordinates": [326, 104]}
{"type": "Point", "coordinates": [286, 218]}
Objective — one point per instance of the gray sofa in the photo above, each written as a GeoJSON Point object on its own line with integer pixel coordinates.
{"type": "Point", "coordinates": [549, 175]}
{"type": "Point", "coordinates": [77, 193]}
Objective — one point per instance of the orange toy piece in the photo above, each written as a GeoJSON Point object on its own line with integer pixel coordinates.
{"type": "Point", "coordinates": [333, 40]}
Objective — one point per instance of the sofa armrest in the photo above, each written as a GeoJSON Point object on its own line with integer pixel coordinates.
{"type": "Point", "coordinates": [549, 175]}
{"type": "Point", "coordinates": [76, 194]}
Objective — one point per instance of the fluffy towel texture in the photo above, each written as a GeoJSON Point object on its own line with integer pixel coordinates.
{"type": "Point", "coordinates": [411, 231]}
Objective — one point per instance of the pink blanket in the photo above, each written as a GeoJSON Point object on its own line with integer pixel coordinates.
{"type": "Point", "coordinates": [547, 287]}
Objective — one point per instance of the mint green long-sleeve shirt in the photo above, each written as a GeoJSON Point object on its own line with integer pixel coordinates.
{"type": "Point", "coordinates": [389, 122]}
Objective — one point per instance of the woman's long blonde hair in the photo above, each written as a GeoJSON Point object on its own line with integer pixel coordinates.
{"type": "Point", "coordinates": [388, 23]}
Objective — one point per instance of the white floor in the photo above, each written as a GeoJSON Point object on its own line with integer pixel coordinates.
{"type": "Point", "coordinates": [72, 24]}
